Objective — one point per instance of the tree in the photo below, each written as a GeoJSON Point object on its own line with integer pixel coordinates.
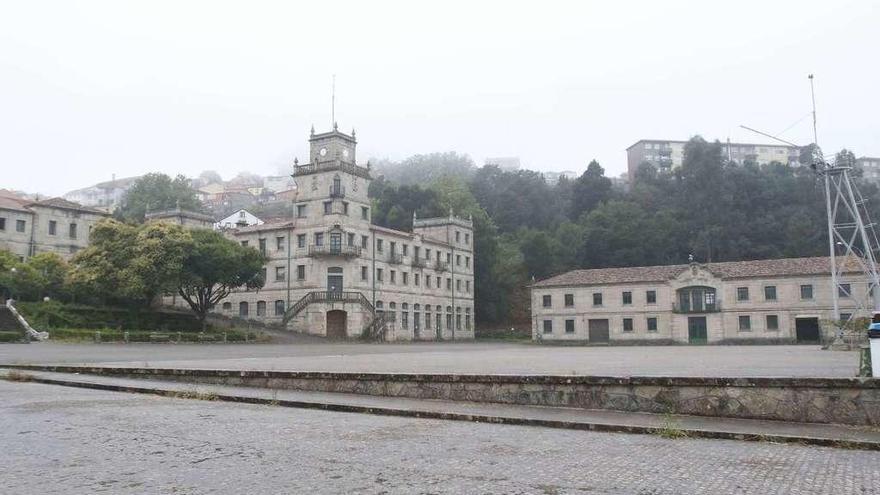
{"type": "Point", "coordinates": [589, 190]}
{"type": "Point", "coordinates": [213, 267]}
{"type": "Point", "coordinates": [422, 169]}
{"type": "Point", "coordinates": [157, 192]}
{"type": "Point", "coordinates": [210, 177]}
{"type": "Point", "coordinates": [51, 271]}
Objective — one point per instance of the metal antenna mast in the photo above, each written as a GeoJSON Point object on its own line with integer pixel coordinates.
{"type": "Point", "coordinates": [849, 226]}
{"type": "Point", "coordinates": [333, 103]}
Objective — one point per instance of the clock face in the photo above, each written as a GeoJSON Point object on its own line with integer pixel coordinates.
{"type": "Point", "coordinates": [345, 153]}
{"type": "Point", "coordinates": [323, 152]}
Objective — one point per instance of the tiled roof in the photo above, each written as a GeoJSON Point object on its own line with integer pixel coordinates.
{"type": "Point", "coordinates": [727, 270]}
{"type": "Point", "coordinates": [268, 225]}
{"type": "Point", "coordinates": [9, 202]}
{"type": "Point", "coordinates": [64, 204]}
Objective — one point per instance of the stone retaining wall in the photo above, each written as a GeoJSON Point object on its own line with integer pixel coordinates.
{"type": "Point", "coordinates": [851, 401]}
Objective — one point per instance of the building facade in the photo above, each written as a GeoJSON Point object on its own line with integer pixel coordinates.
{"type": "Point", "coordinates": [783, 300]}
{"type": "Point", "coordinates": [53, 225]}
{"type": "Point", "coordinates": [240, 218]}
{"type": "Point", "coordinates": [331, 272]}
{"type": "Point", "coordinates": [106, 196]}
{"type": "Point", "coordinates": [668, 155]}
{"type": "Point", "coordinates": [870, 167]}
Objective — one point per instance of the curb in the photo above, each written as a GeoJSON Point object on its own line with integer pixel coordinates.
{"type": "Point", "coordinates": [452, 416]}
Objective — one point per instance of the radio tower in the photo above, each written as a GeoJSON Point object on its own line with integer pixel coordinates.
{"type": "Point", "coordinates": [852, 237]}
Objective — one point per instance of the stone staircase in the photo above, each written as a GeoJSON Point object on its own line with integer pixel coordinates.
{"type": "Point", "coordinates": [376, 329]}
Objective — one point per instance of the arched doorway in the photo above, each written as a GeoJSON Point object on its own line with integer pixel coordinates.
{"type": "Point", "coordinates": [336, 323]}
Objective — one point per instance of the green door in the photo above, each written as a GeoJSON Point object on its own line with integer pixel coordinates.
{"type": "Point", "coordinates": [697, 330]}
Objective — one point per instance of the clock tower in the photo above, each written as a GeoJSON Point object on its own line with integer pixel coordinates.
{"type": "Point", "coordinates": [332, 146]}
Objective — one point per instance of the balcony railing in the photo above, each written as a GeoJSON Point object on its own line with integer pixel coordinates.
{"type": "Point", "coordinates": [706, 308]}
{"type": "Point", "coordinates": [326, 250]}
{"type": "Point", "coordinates": [337, 191]}
{"type": "Point", "coordinates": [441, 266]}
{"type": "Point", "coordinates": [419, 263]}
{"type": "Point", "coordinates": [395, 258]}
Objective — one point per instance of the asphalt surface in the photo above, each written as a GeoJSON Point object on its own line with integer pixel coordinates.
{"type": "Point", "coordinates": [505, 358]}
{"type": "Point", "coordinates": [71, 441]}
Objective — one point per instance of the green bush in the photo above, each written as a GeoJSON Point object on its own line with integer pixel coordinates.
{"type": "Point", "coordinates": [54, 314]}
{"type": "Point", "coordinates": [11, 336]}
{"type": "Point", "coordinates": [114, 335]}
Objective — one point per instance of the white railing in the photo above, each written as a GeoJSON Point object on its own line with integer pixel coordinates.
{"type": "Point", "coordinates": [30, 331]}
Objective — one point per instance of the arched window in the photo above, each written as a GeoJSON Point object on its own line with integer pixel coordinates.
{"type": "Point", "coordinates": [404, 315]}
{"type": "Point", "coordinates": [261, 308]}
{"type": "Point", "coordinates": [467, 318]}
{"type": "Point", "coordinates": [427, 316]}
{"type": "Point", "coordinates": [458, 318]}
{"type": "Point", "coordinates": [243, 309]}
{"type": "Point", "coordinates": [449, 317]}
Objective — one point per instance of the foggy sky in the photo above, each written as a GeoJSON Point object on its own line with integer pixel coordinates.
{"type": "Point", "coordinates": [88, 90]}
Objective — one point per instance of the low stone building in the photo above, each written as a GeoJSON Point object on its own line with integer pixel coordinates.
{"type": "Point", "coordinates": [780, 300]}
{"type": "Point", "coordinates": [53, 225]}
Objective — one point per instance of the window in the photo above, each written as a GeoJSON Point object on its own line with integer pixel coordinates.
{"type": "Point", "coordinates": [652, 323]}
{"type": "Point", "coordinates": [448, 284]}
{"type": "Point", "coordinates": [243, 309]}
{"type": "Point", "coordinates": [328, 207]}
{"type": "Point", "coordinates": [627, 297]}
{"type": "Point", "coordinates": [770, 293]}
{"type": "Point", "coordinates": [772, 322]}
{"type": "Point", "coordinates": [262, 246]}
{"type": "Point", "coordinates": [301, 211]}
{"type": "Point", "coordinates": [651, 296]}
{"type": "Point", "coordinates": [449, 317]}
{"type": "Point", "coordinates": [279, 244]}
{"type": "Point", "coordinates": [345, 208]}
{"type": "Point", "coordinates": [467, 238]}
{"type": "Point", "coordinates": [742, 293]}
{"type": "Point", "coordinates": [457, 260]}
{"type": "Point", "coordinates": [364, 273]}
{"type": "Point", "coordinates": [392, 246]}
{"type": "Point", "coordinates": [569, 300]}
{"type": "Point", "coordinates": [227, 306]}
{"type": "Point", "coordinates": [428, 281]}
{"type": "Point", "coordinates": [427, 254]}
{"type": "Point", "coordinates": [365, 213]}
{"type": "Point", "coordinates": [467, 261]}
{"type": "Point", "coordinates": [244, 243]}
{"type": "Point", "coordinates": [404, 315]}
{"type": "Point", "coordinates": [300, 272]}
{"type": "Point", "coordinates": [627, 324]}
{"type": "Point", "coordinates": [448, 258]}
{"type": "Point", "coordinates": [844, 290]}
{"type": "Point", "coordinates": [279, 274]}
{"type": "Point", "coordinates": [597, 299]}
{"type": "Point", "coordinates": [263, 274]}
{"type": "Point", "coordinates": [19, 225]}
{"type": "Point", "coordinates": [806, 291]}
{"type": "Point", "coordinates": [458, 285]}
{"type": "Point", "coordinates": [467, 318]}
{"type": "Point", "coordinates": [405, 277]}
{"type": "Point", "coordinates": [845, 316]}
{"type": "Point", "coordinates": [351, 239]}
{"type": "Point", "coordinates": [379, 245]}
{"type": "Point", "coordinates": [319, 239]}
{"type": "Point", "coordinates": [301, 241]}
{"type": "Point", "coordinates": [467, 286]}
{"type": "Point", "coordinates": [457, 236]}
{"type": "Point", "coordinates": [438, 282]}
{"type": "Point", "coordinates": [279, 307]}
{"type": "Point", "coordinates": [745, 323]}
{"type": "Point", "coordinates": [569, 326]}
{"type": "Point", "coordinates": [364, 241]}
{"type": "Point", "coordinates": [427, 316]}
{"type": "Point", "coordinates": [379, 274]}
{"type": "Point", "coordinates": [2, 223]}
{"type": "Point", "coordinates": [393, 276]}
{"type": "Point", "coordinates": [73, 231]}
{"type": "Point", "coordinates": [406, 249]}
{"type": "Point", "coordinates": [261, 308]}
{"type": "Point", "coordinates": [415, 279]}
{"type": "Point", "coordinates": [53, 227]}
{"type": "Point", "coordinates": [548, 326]}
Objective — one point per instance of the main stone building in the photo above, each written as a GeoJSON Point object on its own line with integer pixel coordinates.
{"type": "Point", "coordinates": [331, 272]}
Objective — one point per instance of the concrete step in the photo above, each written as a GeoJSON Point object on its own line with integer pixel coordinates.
{"type": "Point", "coordinates": [672, 426]}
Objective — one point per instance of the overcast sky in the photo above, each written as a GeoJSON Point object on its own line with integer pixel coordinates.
{"type": "Point", "coordinates": [92, 89]}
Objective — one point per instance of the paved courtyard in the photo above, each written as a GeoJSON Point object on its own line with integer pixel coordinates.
{"type": "Point", "coordinates": [456, 357]}
{"type": "Point", "coordinates": [72, 441]}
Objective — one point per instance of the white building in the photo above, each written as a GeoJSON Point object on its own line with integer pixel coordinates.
{"type": "Point", "coordinates": [240, 218]}
{"type": "Point", "coordinates": [52, 225]}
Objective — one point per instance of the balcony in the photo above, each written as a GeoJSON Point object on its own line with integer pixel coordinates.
{"type": "Point", "coordinates": [337, 191]}
{"type": "Point", "coordinates": [419, 263]}
{"type": "Point", "coordinates": [688, 310]}
{"type": "Point", "coordinates": [441, 266]}
{"type": "Point", "coordinates": [344, 251]}
{"type": "Point", "coordinates": [395, 258]}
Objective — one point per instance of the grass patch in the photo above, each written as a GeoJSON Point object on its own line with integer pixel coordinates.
{"type": "Point", "coordinates": [112, 335]}
{"type": "Point", "coordinates": [11, 336]}
{"type": "Point", "coordinates": [670, 429]}
{"type": "Point", "coordinates": [192, 394]}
